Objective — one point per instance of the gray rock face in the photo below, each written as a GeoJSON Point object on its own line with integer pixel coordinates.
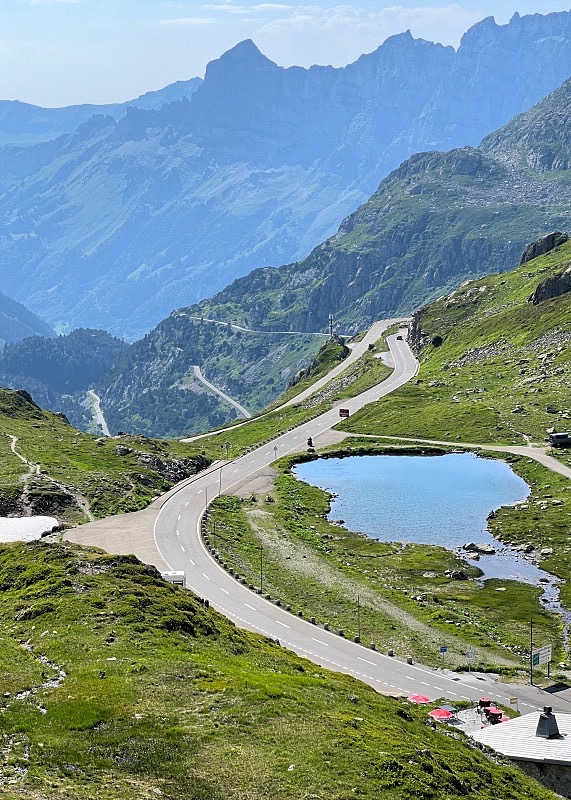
{"type": "Point", "coordinates": [552, 287]}
{"type": "Point", "coordinates": [543, 245]}
{"type": "Point", "coordinates": [115, 225]}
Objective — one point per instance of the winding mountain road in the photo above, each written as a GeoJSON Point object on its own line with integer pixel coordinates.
{"type": "Point", "coordinates": [177, 539]}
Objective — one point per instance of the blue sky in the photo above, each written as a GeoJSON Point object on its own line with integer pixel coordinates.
{"type": "Point", "coordinates": [59, 52]}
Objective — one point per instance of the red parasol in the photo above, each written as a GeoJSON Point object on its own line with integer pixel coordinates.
{"type": "Point", "coordinates": [419, 699]}
{"type": "Point", "coordinates": [440, 714]}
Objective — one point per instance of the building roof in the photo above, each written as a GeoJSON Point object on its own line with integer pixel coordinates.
{"type": "Point", "coordinates": [516, 739]}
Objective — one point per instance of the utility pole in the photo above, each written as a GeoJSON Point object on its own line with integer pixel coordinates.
{"type": "Point", "coordinates": [531, 650]}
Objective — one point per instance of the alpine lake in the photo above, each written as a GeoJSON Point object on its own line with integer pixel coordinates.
{"type": "Point", "coordinates": [442, 500]}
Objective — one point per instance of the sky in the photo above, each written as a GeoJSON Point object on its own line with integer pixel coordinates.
{"type": "Point", "coordinates": [63, 52]}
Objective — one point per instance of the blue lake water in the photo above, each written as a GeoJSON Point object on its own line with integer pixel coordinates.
{"type": "Point", "coordinates": [426, 499]}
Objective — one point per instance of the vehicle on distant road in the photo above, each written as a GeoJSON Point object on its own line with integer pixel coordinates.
{"type": "Point", "coordinates": [399, 337]}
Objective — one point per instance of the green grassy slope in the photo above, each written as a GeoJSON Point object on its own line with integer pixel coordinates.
{"type": "Point", "coordinates": [155, 695]}
{"type": "Point", "coordinates": [70, 467]}
{"type": "Point", "coordinates": [492, 364]}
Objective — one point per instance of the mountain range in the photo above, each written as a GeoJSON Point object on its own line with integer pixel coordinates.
{"type": "Point", "coordinates": [439, 219]}
{"type": "Point", "coordinates": [23, 123]}
{"type": "Point", "coordinates": [118, 222]}
{"type": "Point", "coordinates": [436, 221]}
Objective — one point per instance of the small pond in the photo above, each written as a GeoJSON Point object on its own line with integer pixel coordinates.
{"type": "Point", "coordinates": [437, 500]}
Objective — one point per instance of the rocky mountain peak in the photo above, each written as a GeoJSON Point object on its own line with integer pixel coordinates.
{"type": "Point", "coordinates": [241, 58]}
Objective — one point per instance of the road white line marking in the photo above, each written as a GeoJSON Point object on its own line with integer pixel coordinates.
{"type": "Point", "coordinates": [177, 532]}
{"type": "Point", "coordinates": [187, 504]}
{"type": "Point", "coordinates": [372, 663]}
{"type": "Point", "coordinates": [182, 548]}
{"type": "Point", "coordinates": [222, 589]}
{"type": "Point", "coordinates": [249, 606]}
{"type": "Point", "coordinates": [424, 683]}
{"type": "Point", "coordinates": [440, 689]}
{"type": "Point", "coordinates": [320, 642]}
{"type": "Point", "coordinates": [282, 623]}
{"type": "Point", "coordinates": [409, 678]}
{"type": "Point", "coordinates": [179, 516]}
{"type": "Point", "coordinates": [204, 575]}
{"type": "Point", "coordinates": [192, 562]}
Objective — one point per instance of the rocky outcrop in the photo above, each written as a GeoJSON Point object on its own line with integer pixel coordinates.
{"type": "Point", "coordinates": [554, 286]}
{"type": "Point", "coordinates": [173, 470]}
{"type": "Point", "coordinates": [543, 245]}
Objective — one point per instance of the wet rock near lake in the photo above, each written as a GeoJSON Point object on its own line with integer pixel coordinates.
{"type": "Point", "coordinates": [524, 548]}
{"type": "Point", "coordinates": [482, 548]}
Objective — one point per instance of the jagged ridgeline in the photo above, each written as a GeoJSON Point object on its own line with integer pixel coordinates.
{"type": "Point", "coordinates": [130, 688]}
{"type": "Point", "coordinates": [119, 221]}
{"type": "Point", "coordinates": [439, 219]}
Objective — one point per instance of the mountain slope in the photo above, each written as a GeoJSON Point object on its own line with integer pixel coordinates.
{"type": "Point", "coordinates": [125, 220]}
{"type": "Point", "coordinates": [495, 360]}
{"type": "Point", "coordinates": [16, 322]}
{"type": "Point", "coordinates": [147, 693]}
{"type": "Point", "coordinates": [437, 220]}
{"type": "Point", "coordinates": [49, 467]}
{"type": "Point", "coordinates": [150, 387]}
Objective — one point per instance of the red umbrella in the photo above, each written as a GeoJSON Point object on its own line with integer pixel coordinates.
{"type": "Point", "coordinates": [440, 713]}
{"type": "Point", "coordinates": [419, 699]}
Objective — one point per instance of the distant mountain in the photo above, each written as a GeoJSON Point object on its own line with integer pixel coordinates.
{"type": "Point", "coordinates": [437, 220]}
{"type": "Point", "coordinates": [58, 371]}
{"type": "Point", "coordinates": [16, 322]}
{"type": "Point", "coordinates": [151, 387]}
{"type": "Point", "coordinates": [22, 123]}
{"type": "Point", "coordinates": [118, 223]}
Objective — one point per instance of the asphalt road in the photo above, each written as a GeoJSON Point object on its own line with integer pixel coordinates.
{"type": "Point", "coordinates": [177, 537]}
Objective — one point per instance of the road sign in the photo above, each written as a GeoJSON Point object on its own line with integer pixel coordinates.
{"type": "Point", "coordinates": [470, 654]}
{"type": "Point", "coordinates": [513, 701]}
{"type": "Point", "coordinates": [443, 649]}
{"type": "Point", "coordinates": [541, 656]}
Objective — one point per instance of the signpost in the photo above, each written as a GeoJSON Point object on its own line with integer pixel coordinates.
{"type": "Point", "coordinates": [470, 656]}
{"type": "Point", "coordinates": [541, 656]}
{"type": "Point", "coordinates": [443, 650]}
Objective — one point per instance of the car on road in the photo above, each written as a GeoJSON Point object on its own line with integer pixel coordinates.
{"type": "Point", "coordinates": [399, 337]}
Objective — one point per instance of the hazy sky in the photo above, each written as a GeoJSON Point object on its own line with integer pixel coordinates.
{"type": "Point", "coordinates": [59, 52]}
